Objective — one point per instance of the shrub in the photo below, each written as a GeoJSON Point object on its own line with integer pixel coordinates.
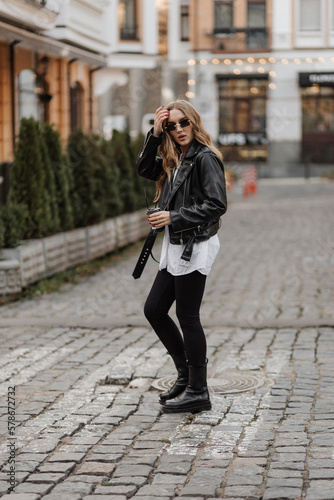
{"type": "Point", "coordinates": [62, 175]}
{"type": "Point", "coordinates": [122, 158]}
{"type": "Point", "coordinates": [15, 218]}
{"type": "Point", "coordinates": [2, 230]}
{"type": "Point", "coordinates": [113, 199]}
{"type": "Point", "coordinates": [49, 186]}
{"type": "Point", "coordinates": [27, 181]}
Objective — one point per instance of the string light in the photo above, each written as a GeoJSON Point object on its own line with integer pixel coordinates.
{"type": "Point", "coordinates": [272, 73]}
{"type": "Point", "coordinates": [237, 71]}
{"type": "Point", "coordinates": [272, 86]}
{"type": "Point", "coordinates": [262, 61]}
{"type": "Point", "coordinates": [191, 82]}
{"type": "Point", "coordinates": [191, 62]}
{"type": "Point", "coordinates": [261, 70]}
{"type": "Point", "coordinates": [190, 95]}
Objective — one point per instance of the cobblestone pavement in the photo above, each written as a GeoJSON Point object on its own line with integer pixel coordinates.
{"type": "Point", "coordinates": [87, 369]}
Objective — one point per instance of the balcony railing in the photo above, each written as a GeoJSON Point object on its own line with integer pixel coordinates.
{"type": "Point", "coordinates": [240, 39]}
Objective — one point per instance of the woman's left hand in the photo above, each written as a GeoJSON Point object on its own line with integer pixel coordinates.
{"type": "Point", "coordinates": [159, 219]}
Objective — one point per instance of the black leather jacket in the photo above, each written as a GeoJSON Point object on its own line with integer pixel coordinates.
{"type": "Point", "coordinates": [197, 198]}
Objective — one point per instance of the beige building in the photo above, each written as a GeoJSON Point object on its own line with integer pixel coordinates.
{"type": "Point", "coordinates": [75, 63]}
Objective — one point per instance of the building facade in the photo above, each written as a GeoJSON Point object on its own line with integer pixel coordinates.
{"type": "Point", "coordinates": [78, 63]}
{"type": "Point", "coordinates": [261, 74]}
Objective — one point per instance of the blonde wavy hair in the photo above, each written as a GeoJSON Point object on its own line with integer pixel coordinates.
{"type": "Point", "coordinates": [170, 150]}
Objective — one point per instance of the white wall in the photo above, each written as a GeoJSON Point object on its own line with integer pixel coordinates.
{"type": "Point", "coordinates": [282, 24]}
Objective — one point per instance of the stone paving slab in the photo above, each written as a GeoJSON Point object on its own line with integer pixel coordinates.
{"type": "Point", "coordinates": [88, 423]}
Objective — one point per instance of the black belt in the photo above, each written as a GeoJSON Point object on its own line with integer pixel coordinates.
{"type": "Point", "coordinates": [145, 253]}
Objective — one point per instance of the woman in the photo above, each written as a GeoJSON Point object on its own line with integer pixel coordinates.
{"type": "Point", "coordinates": [191, 192]}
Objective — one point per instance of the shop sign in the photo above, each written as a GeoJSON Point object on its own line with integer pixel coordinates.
{"type": "Point", "coordinates": [243, 139]}
{"type": "Point", "coordinates": [323, 79]}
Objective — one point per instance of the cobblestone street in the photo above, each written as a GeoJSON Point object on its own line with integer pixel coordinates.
{"type": "Point", "coordinates": [87, 370]}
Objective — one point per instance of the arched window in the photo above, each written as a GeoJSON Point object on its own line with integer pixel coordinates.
{"type": "Point", "coordinates": [76, 105]}
{"type": "Point", "coordinates": [29, 105]}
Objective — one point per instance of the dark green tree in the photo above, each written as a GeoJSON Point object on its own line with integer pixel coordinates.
{"type": "Point", "coordinates": [122, 158]}
{"type": "Point", "coordinates": [62, 175]}
{"type": "Point", "coordinates": [27, 181]}
{"type": "Point", "coordinates": [112, 179]}
{"type": "Point", "coordinates": [50, 185]}
{"type": "Point", "coordinates": [15, 217]}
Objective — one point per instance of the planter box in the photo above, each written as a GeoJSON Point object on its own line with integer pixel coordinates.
{"type": "Point", "coordinates": [55, 253]}
{"type": "Point", "coordinates": [10, 277]}
{"type": "Point", "coordinates": [76, 244]}
{"type": "Point", "coordinates": [37, 259]}
{"type": "Point", "coordinates": [110, 235]}
{"type": "Point", "coordinates": [96, 241]}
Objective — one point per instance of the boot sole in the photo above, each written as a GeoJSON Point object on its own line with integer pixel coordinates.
{"type": "Point", "coordinates": [190, 408]}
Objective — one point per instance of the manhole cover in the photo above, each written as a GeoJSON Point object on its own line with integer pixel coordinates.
{"type": "Point", "coordinates": [224, 383]}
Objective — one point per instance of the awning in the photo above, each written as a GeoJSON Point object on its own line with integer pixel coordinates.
{"type": "Point", "coordinates": [48, 46]}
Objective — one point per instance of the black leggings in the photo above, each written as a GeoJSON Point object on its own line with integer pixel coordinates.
{"type": "Point", "coordinates": [188, 291]}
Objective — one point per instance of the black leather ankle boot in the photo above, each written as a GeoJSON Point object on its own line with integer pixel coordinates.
{"type": "Point", "coordinates": [182, 378]}
{"type": "Point", "coordinates": [196, 396]}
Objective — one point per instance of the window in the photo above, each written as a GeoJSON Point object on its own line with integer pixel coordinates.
{"type": "Point", "coordinates": [184, 23]}
{"type": "Point", "coordinates": [76, 93]}
{"type": "Point", "coordinates": [256, 22]}
{"type": "Point", "coordinates": [127, 19]}
{"type": "Point", "coordinates": [28, 95]}
{"type": "Point", "coordinates": [242, 118]}
{"type": "Point", "coordinates": [310, 15]}
{"type": "Point", "coordinates": [318, 109]}
{"type": "Point", "coordinates": [256, 14]}
{"type": "Point", "coordinates": [223, 12]}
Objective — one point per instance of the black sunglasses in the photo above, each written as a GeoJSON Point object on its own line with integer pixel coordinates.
{"type": "Point", "coordinates": [183, 124]}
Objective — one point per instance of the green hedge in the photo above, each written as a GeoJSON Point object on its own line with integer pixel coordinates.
{"type": "Point", "coordinates": [52, 190]}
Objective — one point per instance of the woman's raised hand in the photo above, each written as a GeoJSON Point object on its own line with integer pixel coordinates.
{"type": "Point", "coordinates": [161, 115]}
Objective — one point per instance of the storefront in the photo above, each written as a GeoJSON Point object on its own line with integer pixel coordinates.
{"type": "Point", "coordinates": [242, 117]}
{"type": "Point", "coordinates": [317, 94]}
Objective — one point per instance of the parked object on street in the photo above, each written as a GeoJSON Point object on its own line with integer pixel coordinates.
{"type": "Point", "coordinates": [249, 180]}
